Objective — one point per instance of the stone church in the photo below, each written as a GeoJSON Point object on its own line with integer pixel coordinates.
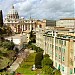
{"type": "Point", "coordinates": [19, 24]}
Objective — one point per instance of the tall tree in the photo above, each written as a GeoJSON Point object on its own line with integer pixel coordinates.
{"type": "Point", "coordinates": [38, 59]}
{"type": "Point", "coordinates": [32, 37]}
{"type": "Point", "coordinates": [1, 18]}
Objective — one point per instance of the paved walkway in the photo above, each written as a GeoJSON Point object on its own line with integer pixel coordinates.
{"type": "Point", "coordinates": [15, 65]}
{"type": "Point", "coordinates": [18, 61]}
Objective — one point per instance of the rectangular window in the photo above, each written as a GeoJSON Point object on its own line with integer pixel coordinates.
{"type": "Point", "coordinates": [62, 58]}
{"type": "Point", "coordinates": [60, 49]}
{"type": "Point", "coordinates": [59, 41]}
{"type": "Point", "coordinates": [52, 46]}
{"type": "Point", "coordinates": [56, 54]}
{"type": "Point", "coordinates": [56, 47]}
{"type": "Point", "coordinates": [70, 71]}
{"type": "Point", "coordinates": [63, 50]}
{"type": "Point", "coordinates": [59, 67]}
{"type": "Point", "coordinates": [62, 42]}
{"type": "Point", "coordinates": [74, 70]}
{"type": "Point", "coordinates": [62, 68]}
{"type": "Point", "coordinates": [56, 41]}
{"type": "Point", "coordinates": [65, 42]}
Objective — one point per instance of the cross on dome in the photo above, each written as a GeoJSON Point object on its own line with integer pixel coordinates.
{"type": "Point", "coordinates": [12, 6]}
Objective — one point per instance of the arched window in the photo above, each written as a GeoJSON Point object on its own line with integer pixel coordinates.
{"type": "Point", "coordinates": [40, 26]}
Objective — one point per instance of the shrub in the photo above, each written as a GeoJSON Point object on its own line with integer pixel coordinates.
{"type": "Point", "coordinates": [32, 37]}
{"type": "Point", "coordinates": [47, 61]}
{"type": "Point", "coordinates": [47, 70]}
{"type": "Point", "coordinates": [38, 59]}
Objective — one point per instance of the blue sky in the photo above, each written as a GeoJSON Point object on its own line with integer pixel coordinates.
{"type": "Point", "coordinates": [38, 9]}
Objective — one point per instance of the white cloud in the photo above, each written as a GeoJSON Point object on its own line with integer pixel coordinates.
{"type": "Point", "coordinates": [41, 8]}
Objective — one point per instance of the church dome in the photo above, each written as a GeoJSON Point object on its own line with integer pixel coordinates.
{"type": "Point", "coordinates": [12, 14]}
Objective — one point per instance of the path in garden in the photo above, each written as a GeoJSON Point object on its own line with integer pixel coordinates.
{"type": "Point", "coordinates": [15, 65]}
{"type": "Point", "coordinates": [18, 61]}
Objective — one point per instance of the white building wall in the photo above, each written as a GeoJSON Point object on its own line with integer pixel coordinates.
{"type": "Point", "coordinates": [18, 40]}
{"type": "Point", "coordinates": [40, 42]}
{"type": "Point", "coordinates": [65, 23]}
{"type": "Point", "coordinates": [65, 68]}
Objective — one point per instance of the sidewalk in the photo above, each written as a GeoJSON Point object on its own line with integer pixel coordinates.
{"type": "Point", "coordinates": [15, 65]}
{"type": "Point", "coordinates": [18, 61]}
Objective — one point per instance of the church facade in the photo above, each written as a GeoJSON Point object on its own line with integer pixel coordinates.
{"type": "Point", "coordinates": [18, 24]}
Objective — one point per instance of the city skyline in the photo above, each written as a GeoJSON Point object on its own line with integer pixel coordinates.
{"type": "Point", "coordinates": [47, 9]}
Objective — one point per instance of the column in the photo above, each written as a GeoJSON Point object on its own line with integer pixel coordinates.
{"type": "Point", "coordinates": [22, 27]}
{"type": "Point", "coordinates": [27, 27]}
{"type": "Point", "coordinates": [30, 27]}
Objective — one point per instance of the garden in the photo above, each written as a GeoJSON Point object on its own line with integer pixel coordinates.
{"type": "Point", "coordinates": [26, 66]}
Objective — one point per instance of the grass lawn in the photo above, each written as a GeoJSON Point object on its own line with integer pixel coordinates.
{"type": "Point", "coordinates": [25, 67]}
